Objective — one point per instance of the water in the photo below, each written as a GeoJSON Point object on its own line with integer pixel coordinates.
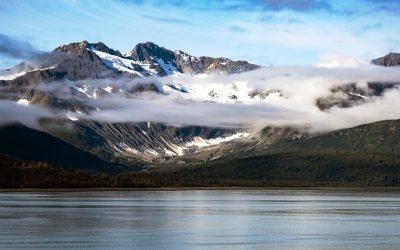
{"type": "Point", "coordinates": [274, 219]}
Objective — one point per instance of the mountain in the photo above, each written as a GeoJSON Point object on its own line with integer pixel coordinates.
{"type": "Point", "coordinates": [74, 78]}
{"type": "Point", "coordinates": [301, 168]}
{"type": "Point", "coordinates": [379, 137]}
{"type": "Point", "coordinates": [391, 59]}
{"type": "Point", "coordinates": [167, 62]}
{"type": "Point", "coordinates": [375, 138]}
{"type": "Point", "coordinates": [84, 60]}
{"type": "Point", "coordinates": [366, 155]}
{"type": "Point", "coordinates": [151, 142]}
{"type": "Point", "coordinates": [351, 94]}
{"type": "Point", "coordinates": [29, 144]}
{"type": "Point", "coordinates": [78, 63]}
{"type": "Point", "coordinates": [357, 156]}
{"type": "Point", "coordinates": [73, 67]}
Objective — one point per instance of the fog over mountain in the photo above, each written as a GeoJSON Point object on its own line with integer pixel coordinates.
{"type": "Point", "coordinates": [155, 103]}
{"type": "Point", "coordinates": [168, 87]}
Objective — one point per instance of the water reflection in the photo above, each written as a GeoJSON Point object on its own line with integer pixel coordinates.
{"type": "Point", "coordinates": [302, 219]}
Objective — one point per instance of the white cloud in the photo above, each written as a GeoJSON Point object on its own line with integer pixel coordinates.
{"type": "Point", "coordinates": [336, 60]}
{"type": "Point", "coordinates": [11, 112]}
{"type": "Point", "coordinates": [300, 86]}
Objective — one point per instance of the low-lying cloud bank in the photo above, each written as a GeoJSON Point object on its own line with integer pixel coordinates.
{"type": "Point", "coordinates": [12, 112]}
{"type": "Point", "coordinates": [299, 87]}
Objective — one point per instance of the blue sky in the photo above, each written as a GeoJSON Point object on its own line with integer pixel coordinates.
{"type": "Point", "coordinates": [267, 32]}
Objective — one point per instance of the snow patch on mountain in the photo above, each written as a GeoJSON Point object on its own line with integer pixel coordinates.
{"type": "Point", "coordinates": [151, 152]}
{"type": "Point", "coordinates": [8, 77]}
{"type": "Point", "coordinates": [87, 91]}
{"type": "Point", "coordinates": [200, 142]}
{"type": "Point", "coordinates": [12, 76]}
{"type": "Point", "coordinates": [118, 63]}
{"type": "Point", "coordinates": [168, 68]}
{"type": "Point", "coordinates": [129, 65]}
{"type": "Point", "coordinates": [23, 101]}
{"type": "Point", "coordinates": [237, 92]}
{"type": "Point", "coordinates": [186, 57]}
{"type": "Point", "coordinates": [107, 89]}
{"type": "Point", "coordinates": [169, 152]}
{"type": "Point", "coordinates": [71, 116]}
{"type": "Point", "coordinates": [358, 95]}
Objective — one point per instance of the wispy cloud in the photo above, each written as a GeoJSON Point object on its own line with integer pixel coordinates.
{"type": "Point", "coordinates": [297, 5]}
{"type": "Point", "coordinates": [15, 48]}
{"type": "Point", "coordinates": [168, 20]}
{"type": "Point", "coordinates": [237, 28]}
{"type": "Point", "coordinates": [12, 112]}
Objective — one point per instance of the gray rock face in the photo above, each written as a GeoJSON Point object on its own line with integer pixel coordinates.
{"type": "Point", "coordinates": [349, 95]}
{"type": "Point", "coordinates": [79, 62]}
{"type": "Point", "coordinates": [391, 59]}
{"type": "Point", "coordinates": [71, 62]}
{"type": "Point", "coordinates": [156, 56]}
{"type": "Point", "coordinates": [102, 47]}
{"type": "Point", "coordinates": [146, 141]}
{"type": "Point", "coordinates": [148, 51]}
{"type": "Point", "coordinates": [184, 63]}
{"type": "Point", "coordinates": [203, 64]}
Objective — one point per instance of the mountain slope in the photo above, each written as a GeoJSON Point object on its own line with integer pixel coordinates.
{"type": "Point", "coordinates": [28, 144]}
{"type": "Point", "coordinates": [375, 138]}
{"type": "Point", "coordinates": [294, 168]}
{"type": "Point", "coordinates": [298, 168]}
{"type": "Point", "coordinates": [167, 62]}
{"type": "Point", "coordinates": [366, 155]}
{"type": "Point", "coordinates": [351, 157]}
{"type": "Point", "coordinates": [379, 137]}
{"type": "Point", "coordinates": [152, 142]}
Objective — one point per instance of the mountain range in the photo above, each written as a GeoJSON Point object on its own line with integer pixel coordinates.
{"type": "Point", "coordinates": [83, 71]}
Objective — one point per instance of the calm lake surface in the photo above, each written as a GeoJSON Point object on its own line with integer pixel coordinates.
{"type": "Point", "coordinates": [275, 219]}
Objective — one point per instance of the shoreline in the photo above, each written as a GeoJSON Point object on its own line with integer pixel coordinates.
{"type": "Point", "coordinates": [172, 189]}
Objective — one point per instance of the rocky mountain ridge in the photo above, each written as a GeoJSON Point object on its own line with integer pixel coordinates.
{"type": "Point", "coordinates": [389, 60]}
{"type": "Point", "coordinates": [83, 60]}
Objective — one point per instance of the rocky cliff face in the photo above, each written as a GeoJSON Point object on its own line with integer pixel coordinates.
{"type": "Point", "coordinates": [349, 95]}
{"type": "Point", "coordinates": [203, 64]}
{"type": "Point", "coordinates": [167, 62]}
{"type": "Point", "coordinates": [147, 141]}
{"type": "Point", "coordinates": [160, 59]}
{"type": "Point", "coordinates": [391, 59]}
{"type": "Point", "coordinates": [68, 62]}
